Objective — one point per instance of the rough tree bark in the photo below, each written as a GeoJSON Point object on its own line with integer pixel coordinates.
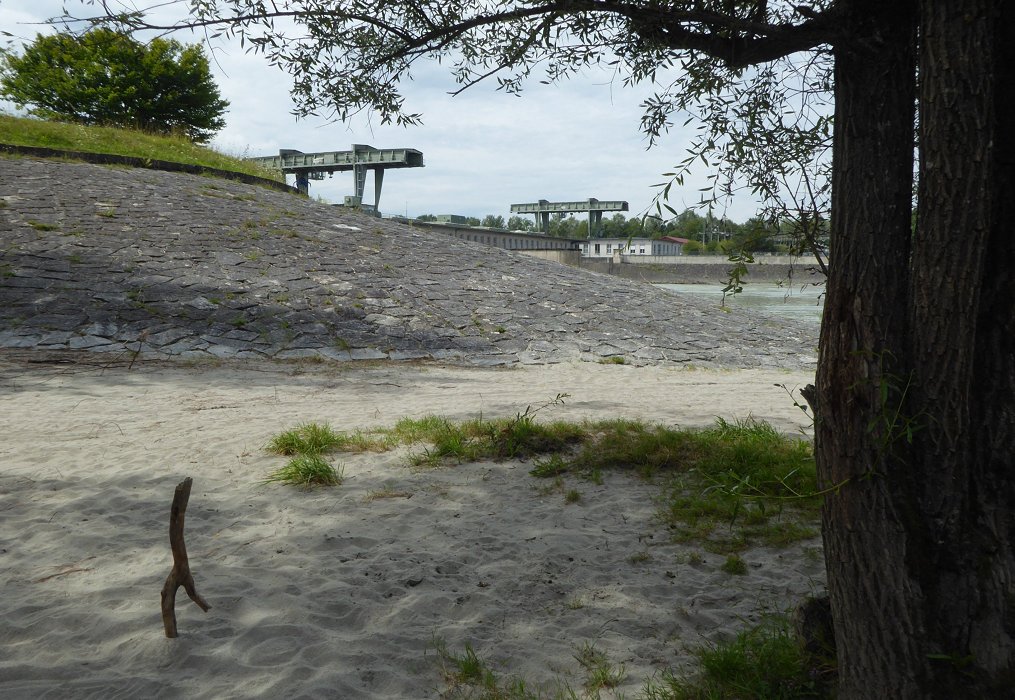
{"type": "Point", "coordinates": [963, 348]}
{"type": "Point", "coordinates": [915, 385]}
{"type": "Point", "coordinates": [862, 342]}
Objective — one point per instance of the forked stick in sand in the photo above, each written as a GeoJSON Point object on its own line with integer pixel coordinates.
{"type": "Point", "coordinates": [180, 575]}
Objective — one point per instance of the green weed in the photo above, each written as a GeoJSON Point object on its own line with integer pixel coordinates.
{"type": "Point", "coordinates": [520, 437]}
{"type": "Point", "coordinates": [468, 676]}
{"type": "Point", "coordinates": [551, 466]}
{"type": "Point", "coordinates": [307, 439]}
{"type": "Point", "coordinates": [734, 565]}
{"type": "Point", "coordinates": [315, 438]}
{"type": "Point", "coordinates": [599, 672]}
{"type": "Point", "coordinates": [306, 471]}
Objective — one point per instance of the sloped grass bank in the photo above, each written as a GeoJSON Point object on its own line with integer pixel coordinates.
{"type": "Point", "coordinates": [59, 136]}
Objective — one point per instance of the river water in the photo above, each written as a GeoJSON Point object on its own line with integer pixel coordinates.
{"type": "Point", "coordinates": [798, 302]}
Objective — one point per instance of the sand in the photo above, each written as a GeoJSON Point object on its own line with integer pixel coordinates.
{"type": "Point", "coordinates": [343, 593]}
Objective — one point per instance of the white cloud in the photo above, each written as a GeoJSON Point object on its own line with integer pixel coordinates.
{"type": "Point", "coordinates": [484, 150]}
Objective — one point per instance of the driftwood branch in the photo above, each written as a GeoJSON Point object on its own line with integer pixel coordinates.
{"type": "Point", "coordinates": [180, 575]}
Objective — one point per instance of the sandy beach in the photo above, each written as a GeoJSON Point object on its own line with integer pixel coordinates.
{"type": "Point", "coordinates": [343, 592]}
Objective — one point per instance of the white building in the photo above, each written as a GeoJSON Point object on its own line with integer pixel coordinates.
{"type": "Point", "coordinates": [610, 247]}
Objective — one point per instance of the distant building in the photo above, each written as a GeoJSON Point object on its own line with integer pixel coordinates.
{"type": "Point", "coordinates": [610, 247]}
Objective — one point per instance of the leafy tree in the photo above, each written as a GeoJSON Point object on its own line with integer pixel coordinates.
{"type": "Point", "coordinates": [688, 224]}
{"type": "Point", "coordinates": [493, 221]}
{"type": "Point", "coordinates": [568, 227]}
{"type": "Point", "coordinates": [915, 395]}
{"type": "Point", "coordinates": [754, 236]}
{"type": "Point", "coordinates": [520, 223]}
{"type": "Point", "coordinates": [652, 227]}
{"type": "Point", "coordinates": [106, 77]}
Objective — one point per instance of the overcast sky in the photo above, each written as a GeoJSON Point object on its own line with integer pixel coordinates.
{"type": "Point", "coordinates": [483, 150]}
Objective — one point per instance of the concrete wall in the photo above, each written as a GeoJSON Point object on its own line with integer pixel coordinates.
{"type": "Point", "coordinates": [693, 270]}
{"type": "Point", "coordinates": [565, 257]}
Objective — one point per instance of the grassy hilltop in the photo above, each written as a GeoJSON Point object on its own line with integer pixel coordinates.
{"type": "Point", "coordinates": [20, 131]}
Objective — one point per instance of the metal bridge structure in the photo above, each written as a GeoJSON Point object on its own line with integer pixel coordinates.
{"type": "Point", "coordinates": [542, 209]}
{"type": "Point", "coordinates": [360, 159]}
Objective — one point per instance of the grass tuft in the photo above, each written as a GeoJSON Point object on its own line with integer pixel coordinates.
{"type": "Point", "coordinates": [599, 672]}
{"type": "Point", "coordinates": [734, 565]}
{"type": "Point", "coordinates": [307, 439]}
{"type": "Point", "coordinates": [306, 471]}
{"type": "Point", "coordinates": [318, 438]}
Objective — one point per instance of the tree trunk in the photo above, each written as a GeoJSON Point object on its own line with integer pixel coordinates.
{"type": "Point", "coordinates": [916, 384]}
{"type": "Point", "coordinates": [862, 352]}
{"type": "Point", "coordinates": [963, 347]}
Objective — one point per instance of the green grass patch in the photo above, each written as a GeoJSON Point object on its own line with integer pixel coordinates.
{"type": "Point", "coordinates": [318, 438]}
{"type": "Point", "coordinates": [482, 439]}
{"type": "Point", "coordinates": [307, 439]}
{"type": "Point", "coordinates": [24, 131]}
{"type": "Point", "coordinates": [766, 662]}
{"type": "Point", "coordinates": [728, 487]}
{"type": "Point", "coordinates": [306, 471]}
{"type": "Point", "coordinates": [599, 672]}
{"type": "Point", "coordinates": [479, 439]}
{"type": "Point", "coordinates": [734, 565]}
{"type": "Point", "coordinates": [306, 443]}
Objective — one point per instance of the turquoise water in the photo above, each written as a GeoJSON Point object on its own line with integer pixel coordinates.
{"type": "Point", "coordinates": [799, 302]}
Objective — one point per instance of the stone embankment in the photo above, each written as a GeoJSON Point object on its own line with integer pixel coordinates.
{"type": "Point", "coordinates": [118, 260]}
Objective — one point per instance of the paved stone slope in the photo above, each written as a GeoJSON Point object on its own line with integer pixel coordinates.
{"type": "Point", "coordinates": [114, 259]}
